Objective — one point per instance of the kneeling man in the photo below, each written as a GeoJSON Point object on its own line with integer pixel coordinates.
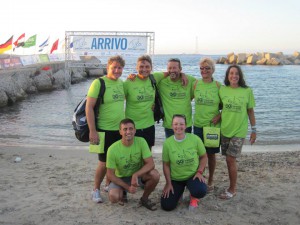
{"type": "Point", "coordinates": [129, 165]}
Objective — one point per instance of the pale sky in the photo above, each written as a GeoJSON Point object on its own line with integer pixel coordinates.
{"type": "Point", "coordinates": [180, 26]}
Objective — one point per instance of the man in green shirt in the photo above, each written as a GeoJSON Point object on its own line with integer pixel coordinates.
{"type": "Point", "coordinates": [129, 165]}
{"type": "Point", "coordinates": [176, 98]}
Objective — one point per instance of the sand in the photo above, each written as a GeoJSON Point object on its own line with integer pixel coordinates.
{"type": "Point", "coordinates": [52, 185]}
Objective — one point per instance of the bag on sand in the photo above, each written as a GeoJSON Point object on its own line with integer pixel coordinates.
{"type": "Point", "coordinates": [79, 120]}
{"type": "Point", "coordinates": [158, 110]}
{"type": "Point", "coordinates": [211, 136]}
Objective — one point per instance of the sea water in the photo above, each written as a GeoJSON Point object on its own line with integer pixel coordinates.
{"type": "Point", "coordinates": [45, 118]}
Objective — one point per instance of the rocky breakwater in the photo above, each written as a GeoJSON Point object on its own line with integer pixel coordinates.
{"type": "Point", "coordinates": [261, 59]}
{"type": "Point", "coordinates": [17, 83]}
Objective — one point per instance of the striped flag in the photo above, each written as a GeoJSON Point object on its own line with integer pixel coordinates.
{"type": "Point", "coordinates": [54, 46]}
{"type": "Point", "coordinates": [43, 45]}
{"type": "Point", "coordinates": [6, 46]}
{"type": "Point", "coordinates": [20, 41]}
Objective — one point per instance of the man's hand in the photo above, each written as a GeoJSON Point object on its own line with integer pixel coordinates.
{"type": "Point", "coordinates": [184, 79]}
{"type": "Point", "coordinates": [131, 77]}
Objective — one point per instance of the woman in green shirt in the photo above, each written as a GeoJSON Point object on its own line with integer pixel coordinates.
{"type": "Point", "coordinates": [238, 103]}
{"type": "Point", "coordinates": [207, 114]}
{"type": "Point", "coordinates": [184, 159]}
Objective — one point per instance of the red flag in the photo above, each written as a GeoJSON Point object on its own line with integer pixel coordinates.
{"type": "Point", "coordinates": [20, 41]}
{"type": "Point", "coordinates": [54, 46]}
{"type": "Point", "coordinates": [6, 46]}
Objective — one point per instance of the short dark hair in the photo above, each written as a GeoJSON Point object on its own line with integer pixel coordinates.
{"type": "Point", "coordinates": [179, 115]}
{"type": "Point", "coordinates": [145, 58]}
{"type": "Point", "coordinates": [125, 121]}
{"type": "Point", "coordinates": [175, 60]}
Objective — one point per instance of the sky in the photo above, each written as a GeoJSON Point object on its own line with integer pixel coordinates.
{"type": "Point", "coordinates": [180, 26]}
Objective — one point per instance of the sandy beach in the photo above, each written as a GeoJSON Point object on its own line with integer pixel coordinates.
{"type": "Point", "coordinates": [52, 185]}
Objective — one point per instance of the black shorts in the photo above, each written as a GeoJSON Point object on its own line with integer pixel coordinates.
{"type": "Point", "coordinates": [111, 136]}
{"type": "Point", "coordinates": [148, 134]}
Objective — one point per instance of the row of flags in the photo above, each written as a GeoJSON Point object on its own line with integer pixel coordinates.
{"type": "Point", "coordinates": [30, 42]}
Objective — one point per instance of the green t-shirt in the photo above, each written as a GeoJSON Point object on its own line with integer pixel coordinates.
{"type": "Point", "coordinates": [112, 111]}
{"type": "Point", "coordinates": [139, 102]}
{"type": "Point", "coordinates": [236, 102]}
{"type": "Point", "coordinates": [183, 156]}
{"type": "Point", "coordinates": [176, 99]}
{"type": "Point", "coordinates": [127, 160]}
{"type": "Point", "coordinates": [206, 96]}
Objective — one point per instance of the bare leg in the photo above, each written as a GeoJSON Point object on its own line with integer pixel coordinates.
{"type": "Point", "coordinates": [232, 171]}
{"type": "Point", "coordinates": [115, 195]}
{"type": "Point", "coordinates": [151, 180]}
{"type": "Point", "coordinates": [99, 175]}
{"type": "Point", "coordinates": [211, 167]}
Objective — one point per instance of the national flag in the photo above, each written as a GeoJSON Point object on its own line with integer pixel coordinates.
{"type": "Point", "coordinates": [20, 41]}
{"type": "Point", "coordinates": [30, 42]}
{"type": "Point", "coordinates": [43, 45]}
{"type": "Point", "coordinates": [6, 46]}
{"type": "Point", "coordinates": [54, 46]}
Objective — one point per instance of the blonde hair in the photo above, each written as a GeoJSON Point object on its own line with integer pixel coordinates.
{"type": "Point", "coordinates": [208, 61]}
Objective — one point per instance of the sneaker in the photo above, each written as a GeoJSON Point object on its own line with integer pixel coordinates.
{"type": "Point", "coordinates": [193, 203]}
{"type": "Point", "coordinates": [96, 197]}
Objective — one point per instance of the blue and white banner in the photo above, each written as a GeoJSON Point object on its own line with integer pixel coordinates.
{"type": "Point", "coordinates": [108, 45]}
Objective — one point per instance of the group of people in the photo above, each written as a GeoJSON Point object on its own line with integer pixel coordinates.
{"type": "Point", "coordinates": [130, 133]}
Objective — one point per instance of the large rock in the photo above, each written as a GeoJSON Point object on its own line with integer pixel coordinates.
{"type": "Point", "coordinates": [296, 55]}
{"type": "Point", "coordinates": [3, 98]}
{"type": "Point", "coordinates": [270, 56]}
{"type": "Point", "coordinates": [43, 82]}
{"type": "Point", "coordinates": [61, 80]}
{"type": "Point", "coordinates": [232, 59]}
{"type": "Point", "coordinates": [222, 60]}
{"type": "Point", "coordinates": [241, 58]}
{"type": "Point", "coordinates": [23, 78]}
{"type": "Point", "coordinates": [13, 91]}
{"type": "Point", "coordinates": [77, 77]}
{"type": "Point", "coordinates": [262, 61]}
{"type": "Point", "coordinates": [297, 62]}
{"type": "Point", "coordinates": [252, 59]}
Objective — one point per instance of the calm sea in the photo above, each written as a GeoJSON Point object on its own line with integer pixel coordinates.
{"type": "Point", "coordinates": [45, 118]}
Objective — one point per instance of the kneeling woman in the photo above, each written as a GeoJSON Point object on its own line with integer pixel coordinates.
{"type": "Point", "coordinates": [184, 159]}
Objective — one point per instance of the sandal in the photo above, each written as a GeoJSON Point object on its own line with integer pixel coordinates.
{"type": "Point", "coordinates": [148, 204]}
{"type": "Point", "coordinates": [210, 188]}
{"type": "Point", "coordinates": [227, 195]}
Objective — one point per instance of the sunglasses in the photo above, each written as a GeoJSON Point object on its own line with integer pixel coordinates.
{"type": "Point", "coordinates": [205, 68]}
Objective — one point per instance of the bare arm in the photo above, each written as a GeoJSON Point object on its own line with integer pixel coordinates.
{"type": "Point", "coordinates": [202, 164]}
{"type": "Point", "coordinates": [148, 166]}
{"type": "Point", "coordinates": [90, 116]}
{"type": "Point", "coordinates": [253, 123]}
{"type": "Point", "coordinates": [113, 178]}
